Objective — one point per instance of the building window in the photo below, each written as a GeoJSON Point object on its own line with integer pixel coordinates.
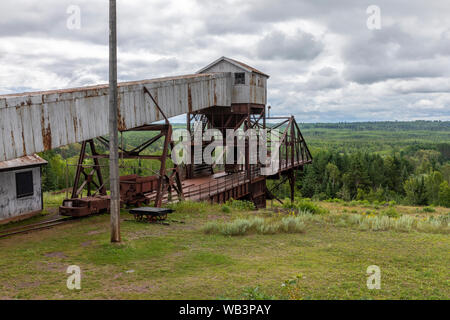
{"type": "Point", "coordinates": [239, 78]}
{"type": "Point", "coordinates": [24, 184]}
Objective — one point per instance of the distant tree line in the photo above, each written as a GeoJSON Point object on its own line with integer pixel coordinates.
{"type": "Point", "coordinates": [419, 125]}
{"type": "Point", "coordinates": [421, 178]}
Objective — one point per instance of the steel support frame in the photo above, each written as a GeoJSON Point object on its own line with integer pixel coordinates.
{"type": "Point", "coordinates": [166, 180]}
{"type": "Point", "coordinates": [294, 152]}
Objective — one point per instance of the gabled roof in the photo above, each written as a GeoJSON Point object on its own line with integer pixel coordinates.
{"type": "Point", "coordinates": [23, 162]}
{"type": "Point", "coordinates": [236, 63]}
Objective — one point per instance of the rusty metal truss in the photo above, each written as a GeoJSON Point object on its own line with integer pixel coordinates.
{"type": "Point", "coordinates": [293, 151]}
{"type": "Point", "coordinates": [167, 178]}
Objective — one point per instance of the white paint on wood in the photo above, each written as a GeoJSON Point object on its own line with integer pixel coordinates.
{"type": "Point", "coordinates": [10, 205]}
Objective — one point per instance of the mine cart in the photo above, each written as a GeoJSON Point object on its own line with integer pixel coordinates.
{"type": "Point", "coordinates": [133, 189]}
{"type": "Point", "coordinates": [149, 214]}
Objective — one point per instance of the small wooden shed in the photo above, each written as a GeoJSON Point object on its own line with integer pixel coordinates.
{"type": "Point", "coordinates": [21, 188]}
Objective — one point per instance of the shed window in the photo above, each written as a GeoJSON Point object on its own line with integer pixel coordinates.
{"type": "Point", "coordinates": [24, 184]}
{"type": "Point", "coordinates": [260, 83]}
{"type": "Point", "coordinates": [239, 78]}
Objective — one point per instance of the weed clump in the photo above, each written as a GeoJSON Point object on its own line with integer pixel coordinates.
{"type": "Point", "coordinates": [258, 225]}
{"type": "Point", "coordinates": [404, 223]}
{"type": "Point", "coordinates": [303, 205]}
{"type": "Point", "coordinates": [226, 209]}
{"type": "Point", "coordinates": [191, 207]}
{"type": "Point", "coordinates": [391, 213]}
{"type": "Point", "coordinates": [241, 205]}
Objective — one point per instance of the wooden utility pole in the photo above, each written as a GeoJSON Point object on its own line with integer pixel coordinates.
{"type": "Point", "coordinates": [113, 131]}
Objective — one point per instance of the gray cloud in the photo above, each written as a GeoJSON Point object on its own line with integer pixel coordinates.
{"type": "Point", "coordinates": [393, 53]}
{"type": "Point", "coordinates": [325, 65]}
{"type": "Point", "coordinates": [325, 79]}
{"type": "Point", "coordinates": [278, 45]}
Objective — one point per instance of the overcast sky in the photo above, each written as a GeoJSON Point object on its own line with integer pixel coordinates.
{"type": "Point", "coordinates": [325, 64]}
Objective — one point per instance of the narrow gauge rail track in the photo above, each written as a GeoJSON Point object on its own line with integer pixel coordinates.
{"type": "Point", "coordinates": [35, 226]}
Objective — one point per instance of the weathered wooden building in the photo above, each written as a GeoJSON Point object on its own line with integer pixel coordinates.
{"type": "Point", "coordinates": [249, 85]}
{"type": "Point", "coordinates": [20, 188]}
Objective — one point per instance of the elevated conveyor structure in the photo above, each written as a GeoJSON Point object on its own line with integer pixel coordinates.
{"type": "Point", "coordinates": [33, 122]}
{"type": "Point", "coordinates": [226, 94]}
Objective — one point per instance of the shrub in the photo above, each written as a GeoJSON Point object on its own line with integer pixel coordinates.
{"type": "Point", "coordinates": [303, 205]}
{"type": "Point", "coordinates": [211, 227]}
{"type": "Point", "coordinates": [226, 209]}
{"type": "Point", "coordinates": [355, 219]}
{"type": "Point", "coordinates": [391, 213]}
{"type": "Point", "coordinates": [404, 223]}
{"type": "Point", "coordinates": [267, 228]}
{"type": "Point", "coordinates": [240, 205]}
{"type": "Point", "coordinates": [335, 200]}
{"type": "Point", "coordinates": [308, 216]}
{"type": "Point", "coordinates": [292, 225]}
{"type": "Point", "coordinates": [236, 228]}
{"type": "Point", "coordinates": [392, 203]}
{"type": "Point", "coordinates": [239, 227]}
{"type": "Point", "coordinates": [428, 209]}
{"type": "Point", "coordinates": [380, 223]}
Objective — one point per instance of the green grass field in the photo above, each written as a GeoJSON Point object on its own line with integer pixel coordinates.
{"type": "Point", "coordinates": [327, 260]}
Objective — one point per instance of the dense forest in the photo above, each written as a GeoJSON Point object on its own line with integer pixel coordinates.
{"type": "Point", "coordinates": [413, 177]}
{"type": "Point", "coordinates": [405, 162]}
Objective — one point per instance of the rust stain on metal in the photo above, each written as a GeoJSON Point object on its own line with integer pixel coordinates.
{"type": "Point", "coordinates": [47, 138]}
{"type": "Point", "coordinates": [23, 133]}
{"type": "Point", "coordinates": [155, 96]}
{"type": "Point", "coordinates": [21, 162]}
{"type": "Point", "coordinates": [215, 94]}
{"type": "Point", "coordinates": [23, 143]}
{"type": "Point", "coordinates": [120, 119]}
{"type": "Point", "coordinates": [46, 134]}
{"type": "Point", "coordinates": [252, 80]}
{"type": "Point", "coordinates": [209, 93]}
{"type": "Point", "coordinates": [75, 125]}
{"type": "Point", "coordinates": [12, 139]}
{"type": "Point", "coordinates": [189, 99]}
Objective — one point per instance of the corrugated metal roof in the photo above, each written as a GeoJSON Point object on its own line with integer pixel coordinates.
{"type": "Point", "coordinates": [104, 86]}
{"type": "Point", "coordinates": [248, 67]}
{"type": "Point", "coordinates": [236, 63]}
{"type": "Point", "coordinates": [27, 161]}
{"type": "Point", "coordinates": [40, 121]}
